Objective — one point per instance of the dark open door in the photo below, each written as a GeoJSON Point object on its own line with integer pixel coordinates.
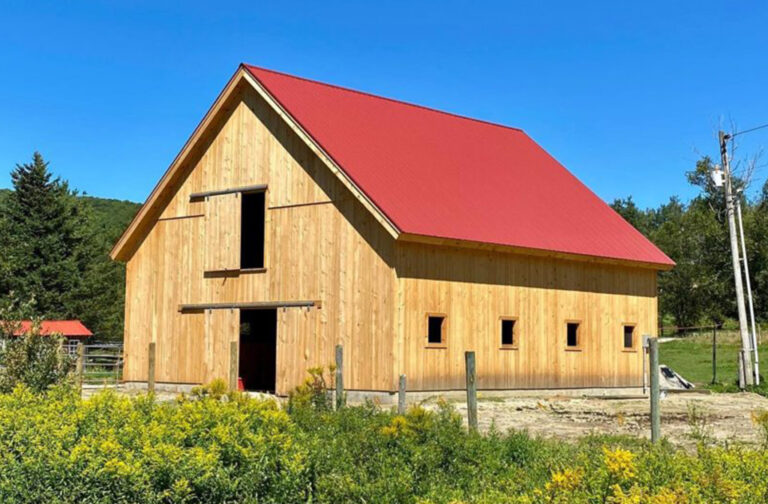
{"type": "Point", "coordinates": [258, 349]}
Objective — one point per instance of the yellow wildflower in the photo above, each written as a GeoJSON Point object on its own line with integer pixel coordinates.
{"type": "Point", "coordinates": [396, 428]}
{"type": "Point", "coordinates": [668, 496]}
{"type": "Point", "coordinates": [565, 481]}
{"type": "Point", "coordinates": [620, 463]}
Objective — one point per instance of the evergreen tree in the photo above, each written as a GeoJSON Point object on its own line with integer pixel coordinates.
{"type": "Point", "coordinates": [100, 298]}
{"type": "Point", "coordinates": [44, 247]}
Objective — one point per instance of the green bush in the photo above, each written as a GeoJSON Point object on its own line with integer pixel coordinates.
{"type": "Point", "coordinates": [314, 394]}
{"type": "Point", "coordinates": [225, 447]}
{"type": "Point", "coordinates": [34, 360]}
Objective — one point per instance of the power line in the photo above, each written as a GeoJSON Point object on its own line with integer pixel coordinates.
{"type": "Point", "coordinates": [748, 130]}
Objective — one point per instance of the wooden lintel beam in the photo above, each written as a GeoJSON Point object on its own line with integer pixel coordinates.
{"type": "Point", "coordinates": [246, 189]}
{"type": "Point", "coordinates": [256, 305]}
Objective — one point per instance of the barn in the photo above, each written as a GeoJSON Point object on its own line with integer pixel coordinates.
{"type": "Point", "coordinates": [301, 215]}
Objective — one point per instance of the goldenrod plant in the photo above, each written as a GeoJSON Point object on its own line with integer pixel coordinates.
{"type": "Point", "coordinates": [215, 446]}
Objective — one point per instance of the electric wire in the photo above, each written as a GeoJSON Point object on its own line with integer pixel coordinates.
{"type": "Point", "coordinates": [749, 130]}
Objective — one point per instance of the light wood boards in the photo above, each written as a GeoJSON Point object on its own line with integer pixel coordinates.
{"type": "Point", "coordinates": [475, 289]}
{"type": "Point", "coordinates": [222, 232]}
{"type": "Point", "coordinates": [320, 245]}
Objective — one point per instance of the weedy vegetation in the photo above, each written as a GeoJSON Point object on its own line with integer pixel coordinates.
{"type": "Point", "coordinates": [217, 446]}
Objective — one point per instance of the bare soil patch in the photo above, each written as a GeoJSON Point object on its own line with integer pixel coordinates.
{"type": "Point", "coordinates": [685, 418]}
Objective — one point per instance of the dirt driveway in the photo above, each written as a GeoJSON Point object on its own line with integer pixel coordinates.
{"type": "Point", "coordinates": [684, 416]}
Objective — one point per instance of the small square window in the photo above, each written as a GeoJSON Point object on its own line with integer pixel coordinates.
{"type": "Point", "coordinates": [435, 329]}
{"type": "Point", "coordinates": [508, 332]}
{"type": "Point", "coordinates": [572, 337]}
{"type": "Point", "coordinates": [629, 336]}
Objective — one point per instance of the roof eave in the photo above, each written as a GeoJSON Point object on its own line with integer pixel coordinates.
{"type": "Point", "coordinates": [568, 256]}
{"type": "Point", "coordinates": [121, 250]}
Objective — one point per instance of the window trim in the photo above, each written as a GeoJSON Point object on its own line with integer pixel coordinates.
{"type": "Point", "coordinates": [633, 348]}
{"type": "Point", "coordinates": [579, 342]}
{"type": "Point", "coordinates": [443, 331]}
{"type": "Point", "coordinates": [515, 340]}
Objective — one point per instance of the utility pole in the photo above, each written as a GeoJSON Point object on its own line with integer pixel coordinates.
{"type": "Point", "coordinates": [749, 291]}
{"type": "Point", "coordinates": [745, 340]}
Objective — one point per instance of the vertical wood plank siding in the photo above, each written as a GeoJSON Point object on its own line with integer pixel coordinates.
{"type": "Point", "coordinates": [475, 288]}
{"type": "Point", "coordinates": [320, 244]}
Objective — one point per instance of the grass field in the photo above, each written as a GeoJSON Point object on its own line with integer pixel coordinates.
{"type": "Point", "coordinates": [692, 357]}
{"type": "Point", "coordinates": [100, 376]}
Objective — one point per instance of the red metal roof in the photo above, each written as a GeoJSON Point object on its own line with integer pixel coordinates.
{"type": "Point", "coordinates": [437, 174]}
{"type": "Point", "coordinates": [67, 328]}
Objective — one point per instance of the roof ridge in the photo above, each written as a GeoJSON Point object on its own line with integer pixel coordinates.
{"type": "Point", "coordinates": [394, 100]}
{"type": "Point", "coordinates": [52, 320]}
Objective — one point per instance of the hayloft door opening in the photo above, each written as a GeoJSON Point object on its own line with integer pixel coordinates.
{"type": "Point", "coordinates": [258, 349]}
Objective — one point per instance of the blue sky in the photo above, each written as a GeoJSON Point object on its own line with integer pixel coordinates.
{"type": "Point", "coordinates": [627, 96]}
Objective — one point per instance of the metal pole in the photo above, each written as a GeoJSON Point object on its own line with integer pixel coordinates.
{"type": "Point", "coordinates": [469, 358]}
{"type": "Point", "coordinates": [339, 377]}
{"type": "Point", "coordinates": [653, 347]}
{"type": "Point", "coordinates": [401, 396]}
{"type": "Point", "coordinates": [749, 291]}
{"type": "Point", "coordinates": [745, 340]}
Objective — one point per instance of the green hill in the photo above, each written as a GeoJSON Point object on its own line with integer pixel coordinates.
{"type": "Point", "coordinates": [110, 215]}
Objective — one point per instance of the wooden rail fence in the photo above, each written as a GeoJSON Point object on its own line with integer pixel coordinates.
{"type": "Point", "coordinates": [100, 363]}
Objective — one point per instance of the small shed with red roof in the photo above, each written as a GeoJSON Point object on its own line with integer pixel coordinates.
{"type": "Point", "coordinates": [70, 329]}
{"type": "Point", "coordinates": [301, 215]}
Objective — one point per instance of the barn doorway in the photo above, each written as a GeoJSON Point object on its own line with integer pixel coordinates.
{"type": "Point", "coordinates": [258, 349]}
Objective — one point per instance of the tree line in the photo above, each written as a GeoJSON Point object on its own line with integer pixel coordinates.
{"type": "Point", "coordinates": [54, 245]}
{"type": "Point", "coordinates": [700, 289]}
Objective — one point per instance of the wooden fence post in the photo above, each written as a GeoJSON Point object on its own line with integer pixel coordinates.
{"type": "Point", "coordinates": [151, 368]}
{"type": "Point", "coordinates": [653, 347]}
{"type": "Point", "coordinates": [117, 367]}
{"type": "Point", "coordinates": [234, 365]}
{"type": "Point", "coordinates": [80, 365]}
{"type": "Point", "coordinates": [742, 375]}
{"type": "Point", "coordinates": [339, 376]}
{"type": "Point", "coordinates": [401, 396]}
{"type": "Point", "coordinates": [714, 354]}
{"type": "Point", "coordinates": [469, 358]}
